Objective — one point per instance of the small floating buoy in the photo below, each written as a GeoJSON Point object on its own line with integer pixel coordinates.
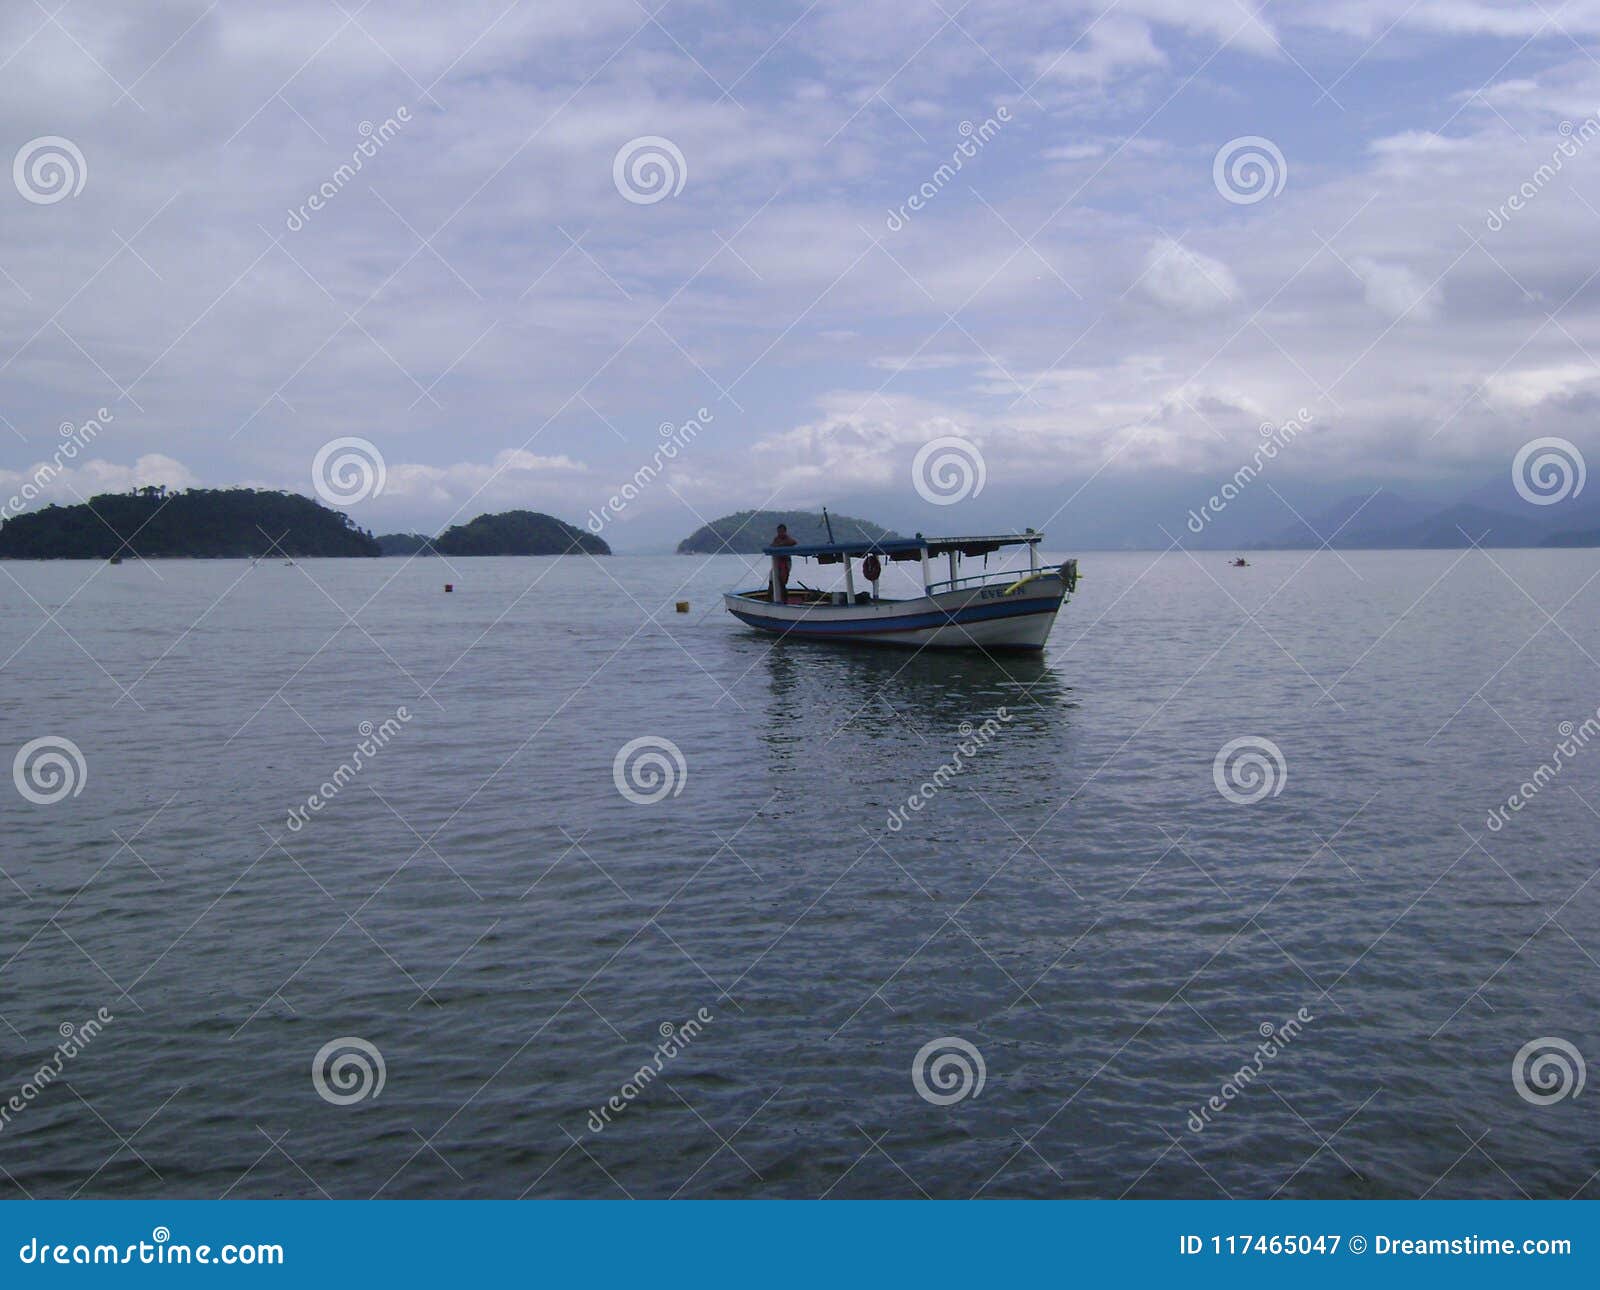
{"type": "Point", "coordinates": [683, 606]}
{"type": "Point", "coordinates": [449, 586]}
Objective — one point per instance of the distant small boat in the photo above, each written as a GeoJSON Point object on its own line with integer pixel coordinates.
{"type": "Point", "coordinates": [1240, 563]}
{"type": "Point", "coordinates": [116, 559]}
{"type": "Point", "coordinates": [1006, 610]}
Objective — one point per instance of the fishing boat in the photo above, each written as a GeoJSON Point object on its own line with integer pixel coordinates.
{"type": "Point", "coordinates": [1006, 609]}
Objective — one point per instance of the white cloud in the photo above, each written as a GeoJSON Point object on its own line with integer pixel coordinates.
{"type": "Point", "coordinates": [1186, 280]}
{"type": "Point", "coordinates": [1395, 290]}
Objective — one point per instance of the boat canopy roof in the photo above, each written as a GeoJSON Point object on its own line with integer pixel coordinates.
{"type": "Point", "coordinates": [906, 548]}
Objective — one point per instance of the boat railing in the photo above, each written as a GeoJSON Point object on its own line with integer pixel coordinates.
{"type": "Point", "coordinates": [978, 579]}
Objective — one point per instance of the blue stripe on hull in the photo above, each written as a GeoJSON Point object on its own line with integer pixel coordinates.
{"type": "Point", "coordinates": [902, 623]}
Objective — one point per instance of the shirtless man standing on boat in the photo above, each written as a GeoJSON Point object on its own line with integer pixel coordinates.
{"type": "Point", "coordinates": [780, 563]}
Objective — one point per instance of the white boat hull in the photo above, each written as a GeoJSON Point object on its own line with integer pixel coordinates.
{"type": "Point", "coordinates": [993, 617]}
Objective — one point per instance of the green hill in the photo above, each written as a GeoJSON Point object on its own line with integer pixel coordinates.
{"type": "Point", "coordinates": [405, 544]}
{"type": "Point", "coordinates": [746, 532]}
{"type": "Point", "coordinates": [217, 523]}
{"type": "Point", "coordinates": [518, 533]}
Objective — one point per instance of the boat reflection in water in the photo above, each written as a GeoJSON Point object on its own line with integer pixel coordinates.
{"type": "Point", "coordinates": [886, 721]}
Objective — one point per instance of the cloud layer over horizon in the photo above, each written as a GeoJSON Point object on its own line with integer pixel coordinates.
{"type": "Point", "coordinates": [543, 234]}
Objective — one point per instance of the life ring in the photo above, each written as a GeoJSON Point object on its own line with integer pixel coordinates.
{"type": "Point", "coordinates": [871, 568]}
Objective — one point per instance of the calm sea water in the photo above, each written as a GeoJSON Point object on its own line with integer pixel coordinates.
{"type": "Point", "coordinates": [1077, 901]}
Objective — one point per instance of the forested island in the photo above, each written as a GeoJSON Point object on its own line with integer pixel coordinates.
{"type": "Point", "coordinates": [155, 523]}
{"type": "Point", "coordinates": [518, 533]}
{"type": "Point", "coordinates": [746, 532]}
{"type": "Point", "coordinates": [405, 544]}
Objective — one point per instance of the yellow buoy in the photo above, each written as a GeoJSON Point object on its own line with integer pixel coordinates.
{"type": "Point", "coordinates": [683, 606]}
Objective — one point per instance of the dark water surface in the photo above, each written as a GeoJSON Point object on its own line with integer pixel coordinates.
{"type": "Point", "coordinates": [1078, 901]}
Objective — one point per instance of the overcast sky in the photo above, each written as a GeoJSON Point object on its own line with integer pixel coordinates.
{"type": "Point", "coordinates": [511, 297]}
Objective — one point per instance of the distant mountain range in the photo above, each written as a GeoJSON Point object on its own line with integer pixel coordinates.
{"type": "Point", "coordinates": [746, 532]}
{"type": "Point", "coordinates": [1493, 516]}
